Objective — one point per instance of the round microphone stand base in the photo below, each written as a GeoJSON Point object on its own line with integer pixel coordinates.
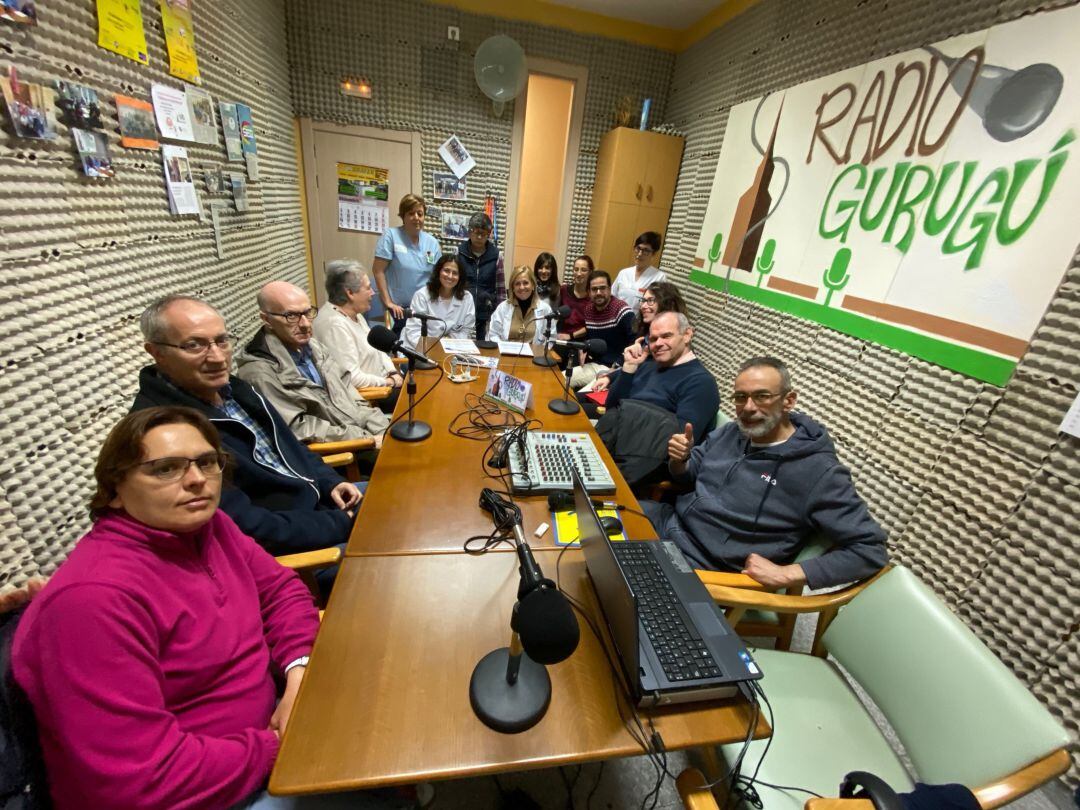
{"type": "Point", "coordinates": [425, 365]}
{"type": "Point", "coordinates": [544, 360]}
{"type": "Point", "coordinates": [509, 708]}
{"type": "Point", "coordinates": [567, 407]}
{"type": "Point", "coordinates": [410, 431]}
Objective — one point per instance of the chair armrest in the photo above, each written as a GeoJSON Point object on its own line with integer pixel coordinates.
{"type": "Point", "coordinates": [400, 362]}
{"type": "Point", "coordinates": [838, 804]}
{"type": "Point", "coordinates": [338, 459]}
{"type": "Point", "coordinates": [346, 446]}
{"type": "Point", "coordinates": [726, 579]}
{"type": "Point", "coordinates": [374, 393]}
{"type": "Point", "coordinates": [309, 560]}
{"type": "Point", "coordinates": [785, 603]}
{"type": "Point", "coordinates": [695, 797]}
{"type": "Point", "coordinates": [1012, 787]}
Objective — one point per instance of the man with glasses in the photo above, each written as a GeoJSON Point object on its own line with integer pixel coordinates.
{"type": "Point", "coordinates": [762, 485]}
{"type": "Point", "coordinates": [279, 492]}
{"type": "Point", "coordinates": [609, 319]}
{"type": "Point", "coordinates": [482, 264]}
{"type": "Point", "coordinates": [632, 282]}
{"type": "Point", "coordinates": [299, 377]}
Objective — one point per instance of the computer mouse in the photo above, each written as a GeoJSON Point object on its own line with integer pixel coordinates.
{"type": "Point", "coordinates": [612, 525]}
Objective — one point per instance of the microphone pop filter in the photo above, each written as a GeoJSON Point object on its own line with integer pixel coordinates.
{"type": "Point", "coordinates": [381, 338]}
{"type": "Point", "coordinates": [547, 626]}
{"type": "Point", "coordinates": [595, 346]}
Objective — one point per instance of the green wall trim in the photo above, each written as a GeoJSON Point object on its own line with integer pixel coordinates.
{"type": "Point", "coordinates": [981, 365]}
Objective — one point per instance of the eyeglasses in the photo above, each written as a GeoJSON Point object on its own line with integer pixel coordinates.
{"type": "Point", "coordinates": [197, 347]}
{"type": "Point", "coordinates": [602, 289]}
{"type": "Point", "coordinates": [648, 299]}
{"type": "Point", "coordinates": [173, 468]}
{"type": "Point", "coordinates": [294, 317]}
{"type": "Point", "coordinates": [759, 397]}
{"type": "Point", "coordinates": [644, 251]}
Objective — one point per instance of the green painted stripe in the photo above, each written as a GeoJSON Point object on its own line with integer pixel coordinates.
{"type": "Point", "coordinates": [974, 363]}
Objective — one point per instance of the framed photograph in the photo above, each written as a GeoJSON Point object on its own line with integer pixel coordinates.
{"type": "Point", "coordinates": [448, 186]}
{"type": "Point", "coordinates": [93, 152]}
{"type": "Point", "coordinates": [137, 128]}
{"type": "Point", "coordinates": [455, 226]}
{"type": "Point", "coordinates": [30, 107]}
{"type": "Point", "coordinates": [20, 12]}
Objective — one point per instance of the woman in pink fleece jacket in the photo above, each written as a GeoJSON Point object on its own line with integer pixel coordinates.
{"type": "Point", "coordinates": [150, 656]}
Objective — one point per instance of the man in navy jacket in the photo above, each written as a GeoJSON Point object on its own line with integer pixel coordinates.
{"type": "Point", "coordinates": [762, 485]}
{"type": "Point", "coordinates": [281, 493]}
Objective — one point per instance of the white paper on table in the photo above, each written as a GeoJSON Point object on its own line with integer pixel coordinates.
{"type": "Point", "coordinates": [459, 346]}
{"type": "Point", "coordinates": [521, 349]}
{"type": "Point", "coordinates": [171, 113]}
{"type": "Point", "coordinates": [1071, 423]}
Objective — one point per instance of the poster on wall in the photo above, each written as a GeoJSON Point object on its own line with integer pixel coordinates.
{"type": "Point", "coordinates": [20, 12]}
{"type": "Point", "coordinates": [180, 40]}
{"type": "Point", "coordinates": [230, 128]}
{"type": "Point", "coordinates": [137, 130]}
{"type": "Point", "coordinates": [182, 196]}
{"type": "Point", "coordinates": [120, 29]}
{"type": "Point", "coordinates": [201, 113]}
{"type": "Point", "coordinates": [171, 113]}
{"type": "Point", "coordinates": [918, 201]}
{"type": "Point", "coordinates": [363, 198]}
{"type": "Point", "coordinates": [30, 106]}
{"type": "Point", "coordinates": [248, 146]}
{"type": "Point", "coordinates": [457, 157]}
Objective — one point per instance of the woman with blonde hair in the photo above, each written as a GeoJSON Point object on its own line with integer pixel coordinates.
{"type": "Point", "coordinates": [515, 319]}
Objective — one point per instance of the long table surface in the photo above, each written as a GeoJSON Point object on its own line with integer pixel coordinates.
{"type": "Point", "coordinates": [385, 699]}
{"type": "Point", "coordinates": [423, 496]}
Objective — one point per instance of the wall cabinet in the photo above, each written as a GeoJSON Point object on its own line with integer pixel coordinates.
{"type": "Point", "coordinates": [636, 174]}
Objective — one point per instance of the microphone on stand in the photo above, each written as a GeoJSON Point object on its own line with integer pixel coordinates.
{"type": "Point", "coordinates": [593, 347]}
{"type": "Point", "coordinates": [544, 359]}
{"type": "Point", "coordinates": [384, 340]}
{"type": "Point", "coordinates": [485, 302]}
{"type": "Point", "coordinates": [422, 364]}
{"type": "Point", "coordinates": [510, 688]}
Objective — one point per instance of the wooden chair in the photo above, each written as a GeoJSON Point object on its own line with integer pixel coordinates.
{"type": "Point", "coordinates": [375, 393]}
{"type": "Point", "coordinates": [959, 713]}
{"type": "Point", "coordinates": [343, 454]}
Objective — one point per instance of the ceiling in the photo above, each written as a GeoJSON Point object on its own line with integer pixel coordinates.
{"type": "Point", "coordinates": [677, 14]}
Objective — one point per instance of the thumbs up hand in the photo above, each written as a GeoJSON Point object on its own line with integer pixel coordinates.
{"type": "Point", "coordinates": [680, 444]}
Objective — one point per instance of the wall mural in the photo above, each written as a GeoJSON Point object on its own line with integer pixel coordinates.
{"type": "Point", "coordinates": [925, 201]}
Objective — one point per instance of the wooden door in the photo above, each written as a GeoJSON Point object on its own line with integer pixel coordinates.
{"type": "Point", "coordinates": [324, 146]}
{"type": "Point", "coordinates": [652, 219]}
{"type": "Point", "coordinates": [614, 249]}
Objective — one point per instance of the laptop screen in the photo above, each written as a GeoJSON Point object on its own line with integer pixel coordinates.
{"type": "Point", "coordinates": [616, 598]}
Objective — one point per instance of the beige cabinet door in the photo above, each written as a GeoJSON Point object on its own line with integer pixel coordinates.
{"type": "Point", "coordinates": [324, 146]}
{"type": "Point", "coordinates": [662, 170]}
{"type": "Point", "coordinates": [615, 249]}
{"type": "Point", "coordinates": [630, 155]}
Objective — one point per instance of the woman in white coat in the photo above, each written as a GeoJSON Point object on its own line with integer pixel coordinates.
{"type": "Point", "coordinates": [515, 319]}
{"type": "Point", "coordinates": [443, 297]}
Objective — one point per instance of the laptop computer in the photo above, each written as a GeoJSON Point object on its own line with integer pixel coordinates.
{"type": "Point", "coordinates": [673, 641]}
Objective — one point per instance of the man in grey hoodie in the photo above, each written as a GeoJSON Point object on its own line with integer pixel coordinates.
{"type": "Point", "coordinates": [763, 485]}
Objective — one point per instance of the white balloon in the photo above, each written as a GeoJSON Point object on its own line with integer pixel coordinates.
{"type": "Point", "coordinates": [500, 68]}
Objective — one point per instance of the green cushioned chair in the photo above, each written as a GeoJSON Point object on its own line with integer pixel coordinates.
{"type": "Point", "coordinates": [959, 712]}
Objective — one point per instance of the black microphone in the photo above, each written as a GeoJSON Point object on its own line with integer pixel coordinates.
{"type": "Point", "coordinates": [543, 618]}
{"type": "Point", "coordinates": [420, 316]}
{"type": "Point", "coordinates": [561, 312]}
{"type": "Point", "coordinates": [384, 340]}
{"type": "Point", "coordinates": [593, 346]}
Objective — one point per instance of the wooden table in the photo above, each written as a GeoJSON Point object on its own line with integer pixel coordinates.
{"type": "Point", "coordinates": [386, 698]}
{"type": "Point", "coordinates": [423, 496]}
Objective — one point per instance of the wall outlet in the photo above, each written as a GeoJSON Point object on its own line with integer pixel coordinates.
{"type": "Point", "coordinates": [453, 33]}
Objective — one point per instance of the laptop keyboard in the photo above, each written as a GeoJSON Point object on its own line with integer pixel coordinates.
{"type": "Point", "coordinates": [682, 652]}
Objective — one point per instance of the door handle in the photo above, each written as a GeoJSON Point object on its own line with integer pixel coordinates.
{"type": "Point", "coordinates": [638, 193]}
{"type": "Point", "coordinates": [648, 194]}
